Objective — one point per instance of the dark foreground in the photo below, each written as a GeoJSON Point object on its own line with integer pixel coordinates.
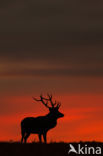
{"type": "Point", "coordinates": [36, 149]}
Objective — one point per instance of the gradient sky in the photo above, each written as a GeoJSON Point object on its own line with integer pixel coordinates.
{"type": "Point", "coordinates": [53, 46]}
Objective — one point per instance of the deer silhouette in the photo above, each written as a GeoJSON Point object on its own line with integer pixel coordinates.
{"type": "Point", "coordinates": [41, 124]}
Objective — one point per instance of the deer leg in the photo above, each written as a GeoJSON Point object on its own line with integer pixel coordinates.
{"type": "Point", "coordinates": [40, 138]}
{"type": "Point", "coordinates": [22, 139]}
{"type": "Point", "coordinates": [23, 134]}
{"type": "Point", "coordinates": [26, 137]}
{"type": "Point", "coordinates": [45, 138]}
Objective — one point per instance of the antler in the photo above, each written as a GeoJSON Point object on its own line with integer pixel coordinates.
{"type": "Point", "coordinates": [58, 105]}
{"type": "Point", "coordinates": [51, 101]}
{"type": "Point", "coordinates": [41, 99]}
{"type": "Point", "coordinates": [48, 99]}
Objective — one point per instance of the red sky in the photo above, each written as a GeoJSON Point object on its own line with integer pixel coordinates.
{"type": "Point", "coordinates": [83, 110]}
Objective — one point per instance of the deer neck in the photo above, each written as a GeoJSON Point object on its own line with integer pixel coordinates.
{"type": "Point", "coordinates": [51, 117]}
{"type": "Point", "coordinates": [52, 121]}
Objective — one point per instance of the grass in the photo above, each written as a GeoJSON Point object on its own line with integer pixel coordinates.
{"type": "Point", "coordinates": [37, 149]}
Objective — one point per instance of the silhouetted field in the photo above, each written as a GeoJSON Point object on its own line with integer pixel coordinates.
{"type": "Point", "coordinates": [37, 149]}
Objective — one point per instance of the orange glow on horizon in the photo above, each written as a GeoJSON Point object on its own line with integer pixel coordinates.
{"type": "Point", "coordinates": [82, 120]}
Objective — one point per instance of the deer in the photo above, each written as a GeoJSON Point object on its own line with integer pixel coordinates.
{"type": "Point", "coordinates": [42, 124]}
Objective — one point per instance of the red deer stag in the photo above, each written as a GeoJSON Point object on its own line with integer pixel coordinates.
{"type": "Point", "coordinates": [41, 124]}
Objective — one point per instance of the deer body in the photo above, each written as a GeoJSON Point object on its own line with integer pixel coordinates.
{"type": "Point", "coordinates": [40, 125]}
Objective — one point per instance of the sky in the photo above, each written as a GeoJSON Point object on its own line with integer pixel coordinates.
{"type": "Point", "coordinates": [53, 47]}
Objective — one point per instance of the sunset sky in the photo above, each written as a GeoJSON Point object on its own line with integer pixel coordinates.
{"type": "Point", "coordinates": [53, 46]}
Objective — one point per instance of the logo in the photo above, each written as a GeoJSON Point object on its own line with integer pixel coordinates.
{"type": "Point", "coordinates": [84, 149]}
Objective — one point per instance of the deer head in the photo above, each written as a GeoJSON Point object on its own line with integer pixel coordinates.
{"type": "Point", "coordinates": [54, 106]}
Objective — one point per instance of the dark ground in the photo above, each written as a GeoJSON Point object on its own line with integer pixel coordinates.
{"type": "Point", "coordinates": [36, 149]}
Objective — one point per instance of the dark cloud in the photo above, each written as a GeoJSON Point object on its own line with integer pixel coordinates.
{"type": "Point", "coordinates": [55, 32]}
{"type": "Point", "coordinates": [52, 72]}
